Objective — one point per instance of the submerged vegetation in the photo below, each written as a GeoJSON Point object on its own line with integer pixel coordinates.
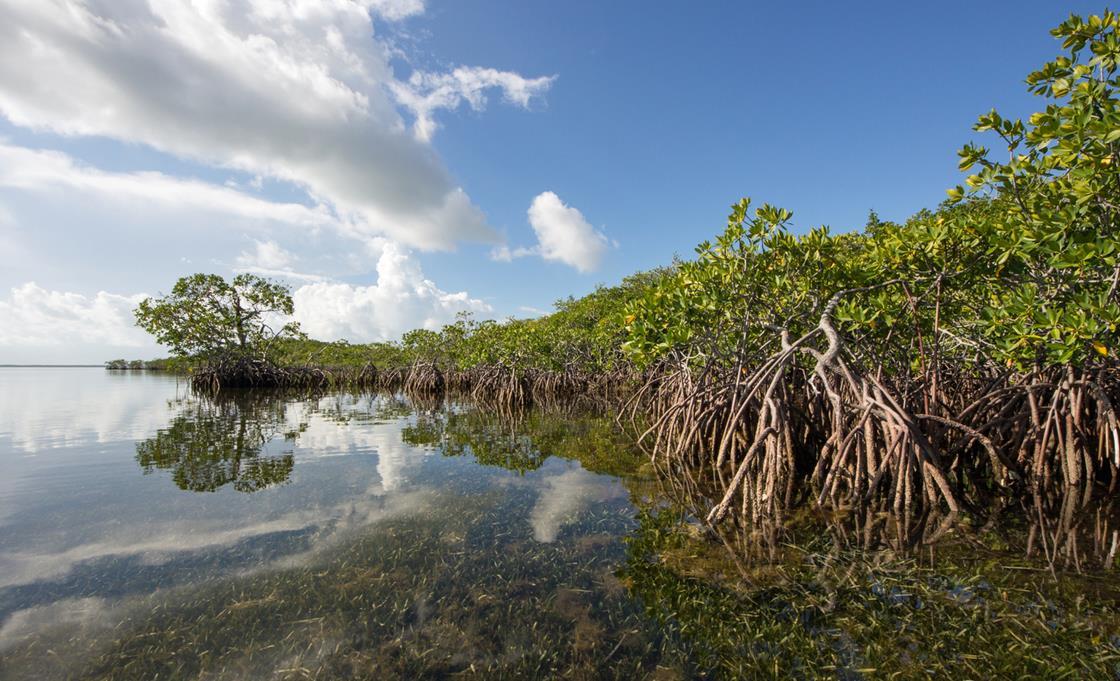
{"type": "Point", "coordinates": [454, 580]}
{"type": "Point", "coordinates": [820, 610]}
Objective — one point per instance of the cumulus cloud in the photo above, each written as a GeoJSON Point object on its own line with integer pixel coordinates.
{"type": "Point", "coordinates": [34, 316]}
{"type": "Point", "coordinates": [506, 254]}
{"type": "Point", "coordinates": [277, 95]}
{"type": "Point", "coordinates": [563, 235]}
{"type": "Point", "coordinates": [284, 89]}
{"type": "Point", "coordinates": [68, 223]}
{"type": "Point", "coordinates": [401, 299]}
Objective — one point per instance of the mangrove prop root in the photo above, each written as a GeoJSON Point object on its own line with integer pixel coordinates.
{"type": "Point", "coordinates": [817, 415]}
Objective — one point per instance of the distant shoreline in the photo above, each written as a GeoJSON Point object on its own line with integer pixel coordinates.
{"type": "Point", "coordinates": [52, 366]}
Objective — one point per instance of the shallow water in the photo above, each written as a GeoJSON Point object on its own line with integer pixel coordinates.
{"type": "Point", "coordinates": [146, 533]}
{"type": "Point", "coordinates": [119, 490]}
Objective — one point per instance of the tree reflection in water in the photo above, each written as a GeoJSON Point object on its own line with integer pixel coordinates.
{"type": "Point", "coordinates": [214, 442]}
{"type": "Point", "coordinates": [522, 440]}
{"type": "Point", "coordinates": [556, 574]}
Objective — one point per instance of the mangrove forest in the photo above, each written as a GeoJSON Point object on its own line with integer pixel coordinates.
{"type": "Point", "coordinates": [879, 451]}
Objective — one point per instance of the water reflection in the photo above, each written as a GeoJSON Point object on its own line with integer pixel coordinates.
{"type": "Point", "coordinates": [522, 439]}
{"type": "Point", "coordinates": [117, 568]}
{"type": "Point", "coordinates": [45, 410]}
{"type": "Point", "coordinates": [1071, 529]}
{"type": "Point", "coordinates": [390, 539]}
{"type": "Point", "coordinates": [493, 438]}
{"type": "Point", "coordinates": [456, 587]}
{"type": "Point", "coordinates": [1067, 528]}
{"type": "Point", "coordinates": [215, 442]}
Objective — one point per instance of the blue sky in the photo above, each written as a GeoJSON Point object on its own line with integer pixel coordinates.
{"type": "Point", "coordinates": [382, 156]}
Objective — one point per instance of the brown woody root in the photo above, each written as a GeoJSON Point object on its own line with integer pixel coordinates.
{"type": "Point", "coordinates": [814, 418]}
{"type": "Point", "coordinates": [494, 385]}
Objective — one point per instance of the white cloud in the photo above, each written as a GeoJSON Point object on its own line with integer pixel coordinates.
{"type": "Point", "coordinates": [269, 259]}
{"type": "Point", "coordinates": [282, 94]}
{"type": "Point", "coordinates": [284, 89]}
{"type": "Point", "coordinates": [402, 299]}
{"type": "Point", "coordinates": [40, 172]}
{"type": "Point", "coordinates": [70, 224]}
{"type": "Point", "coordinates": [267, 255]}
{"type": "Point", "coordinates": [563, 235]}
{"type": "Point", "coordinates": [507, 254]}
{"type": "Point", "coordinates": [395, 10]}
{"type": "Point", "coordinates": [425, 93]}
{"type": "Point", "coordinates": [34, 316]}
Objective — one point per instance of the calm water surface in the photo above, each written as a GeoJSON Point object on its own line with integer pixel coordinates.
{"type": "Point", "coordinates": [260, 536]}
{"type": "Point", "coordinates": [147, 533]}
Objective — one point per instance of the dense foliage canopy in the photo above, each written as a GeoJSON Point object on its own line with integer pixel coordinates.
{"type": "Point", "coordinates": [205, 315]}
{"type": "Point", "coordinates": [582, 334]}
